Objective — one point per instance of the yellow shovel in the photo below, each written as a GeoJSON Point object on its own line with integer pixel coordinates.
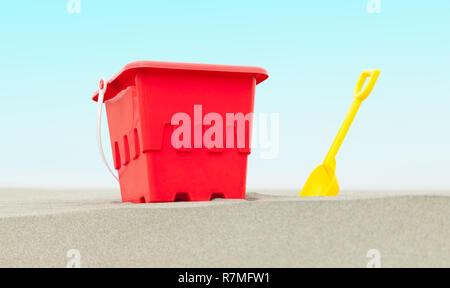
{"type": "Point", "coordinates": [322, 181]}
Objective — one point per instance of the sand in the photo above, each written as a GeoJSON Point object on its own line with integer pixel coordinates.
{"type": "Point", "coordinates": [408, 229]}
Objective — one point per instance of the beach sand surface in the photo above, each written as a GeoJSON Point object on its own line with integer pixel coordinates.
{"type": "Point", "coordinates": [41, 228]}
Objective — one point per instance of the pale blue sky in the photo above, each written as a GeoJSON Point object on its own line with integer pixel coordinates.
{"type": "Point", "coordinates": [313, 50]}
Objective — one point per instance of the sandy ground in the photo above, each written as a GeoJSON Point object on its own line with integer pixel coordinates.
{"type": "Point", "coordinates": [408, 229]}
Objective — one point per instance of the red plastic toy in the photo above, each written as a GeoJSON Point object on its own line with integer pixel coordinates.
{"type": "Point", "coordinates": [140, 103]}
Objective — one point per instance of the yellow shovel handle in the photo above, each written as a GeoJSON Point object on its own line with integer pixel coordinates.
{"type": "Point", "coordinates": [360, 96]}
{"type": "Point", "coordinates": [373, 74]}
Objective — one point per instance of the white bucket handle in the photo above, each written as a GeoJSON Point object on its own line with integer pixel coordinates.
{"type": "Point", "coordinates": [102, 85]}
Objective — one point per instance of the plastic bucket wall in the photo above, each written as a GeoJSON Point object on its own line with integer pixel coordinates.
{"type": "Point", "coordinates": [139, 111]}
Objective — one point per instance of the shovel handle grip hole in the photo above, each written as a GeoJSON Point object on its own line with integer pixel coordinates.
{"type": "Point", "coordinates": [369, 75]}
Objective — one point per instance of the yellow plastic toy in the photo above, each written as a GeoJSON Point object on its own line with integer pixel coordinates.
{"type": "Point", "coordinates": [322, 181]}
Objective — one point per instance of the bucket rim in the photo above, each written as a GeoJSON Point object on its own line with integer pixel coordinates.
{"type": "Point", "coordinates": [131, 69]}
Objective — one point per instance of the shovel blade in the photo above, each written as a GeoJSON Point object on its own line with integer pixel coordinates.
{"type": "Point", "coordinates": [320, 183]}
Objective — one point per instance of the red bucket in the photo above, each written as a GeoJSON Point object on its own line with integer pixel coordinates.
{"type": "Point", "coordinates": [141, 101]}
